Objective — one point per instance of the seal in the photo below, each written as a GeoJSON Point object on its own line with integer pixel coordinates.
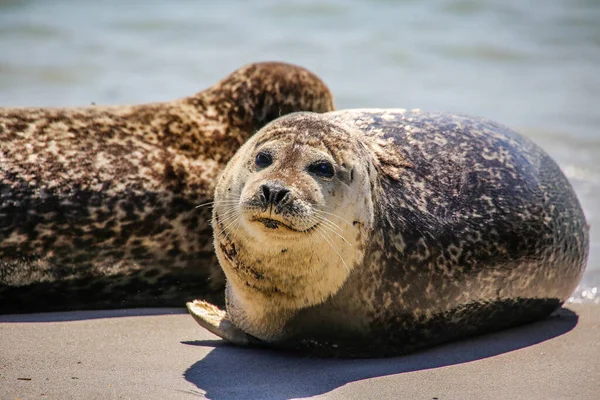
{"type": "Point", "coordinates": [97, 206]}
{"type": "Point", "coordinates": [363, 233]}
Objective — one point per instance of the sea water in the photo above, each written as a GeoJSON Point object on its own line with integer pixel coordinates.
{"type": "Point", "coordinates": [534, 66]}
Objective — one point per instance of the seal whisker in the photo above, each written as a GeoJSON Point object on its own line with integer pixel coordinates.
{"type": "Point", "coordinates": [320, 232]}
{"type": "Point", "coordinates": [213, 203]}
{"type": "Point", "coordinates": [326, 232]}
{"type": "Point", "coordinates": [234, 220]}
{"type": "Point", "coordinates": [229, 208]}
{"type": "Point", "coordinates": [228, 221]}
{"type": "Point", "coordinates": [335, 215]}
{"type": "Point", "coordinates": [227, 215]}
{"type": "Point", "coordinates": [329, 223]}
{"type": "Point", "coordinates": [323, 223]}
{"type": "Point", "coordinates": [232, 215]}
{"type": "Point", "coordinates": [226, 225]}
{"type": "Point", "coordinates": [341, 237]}
{"type": "Point", "coordinates": [237, 227]}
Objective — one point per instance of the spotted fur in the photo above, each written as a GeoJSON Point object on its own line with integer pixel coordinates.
{"type": "Point", "coordinates": [97, 204]}
{"type": "Point", "coordinates": [481, 232]}
{"type": "Point", "coordinates": [475, 229]}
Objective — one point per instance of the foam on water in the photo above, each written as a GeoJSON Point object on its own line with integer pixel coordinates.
{"type": "Point", "coordinates": [589, 289]}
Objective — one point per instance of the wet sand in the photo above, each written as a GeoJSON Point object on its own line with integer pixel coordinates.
{"type": "Point", "coordinates": [164, 354]}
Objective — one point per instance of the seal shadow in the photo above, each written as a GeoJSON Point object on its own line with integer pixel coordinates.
{"type": "Point", "coordinates": [230, 372]}
{"type": "Point", "coordinates": [62, 316]}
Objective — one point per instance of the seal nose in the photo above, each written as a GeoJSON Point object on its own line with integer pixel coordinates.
{"type": "Point", "coordinates": [275, 194]}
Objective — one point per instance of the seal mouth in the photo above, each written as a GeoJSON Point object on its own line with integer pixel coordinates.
{"type": "Point", "coordinates": [274, 224]}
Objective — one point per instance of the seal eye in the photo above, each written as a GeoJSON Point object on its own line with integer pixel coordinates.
{"type": "Point", "coordinates": [263, 160]}
{"type": "Point", "coordinates": [323, 169]}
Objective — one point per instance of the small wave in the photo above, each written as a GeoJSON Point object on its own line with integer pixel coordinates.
{"type": "Point", "coordinates": [575, 172]}
{"type": "Point", "coordinates": [585, 295]}
{"type": "Point", "coordinates": [588, 290]}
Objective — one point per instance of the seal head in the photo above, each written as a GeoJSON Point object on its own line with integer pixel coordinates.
{"type": "Point", "coordinates": [291, 212]}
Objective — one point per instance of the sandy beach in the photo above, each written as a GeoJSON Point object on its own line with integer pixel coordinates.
{"type": "Point", "coordinates": [164, 354]}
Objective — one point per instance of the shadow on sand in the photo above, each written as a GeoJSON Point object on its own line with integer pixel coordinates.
{"type": "Point", "coordinates": [229, 372]}
{"type": "Point", "coordinates": [62, 316]}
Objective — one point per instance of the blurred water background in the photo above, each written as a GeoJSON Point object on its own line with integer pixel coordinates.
{"type": "Point", "coordinates": [532, 65]}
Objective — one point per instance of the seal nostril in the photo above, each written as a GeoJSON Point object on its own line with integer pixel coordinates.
{"type": "Point", "coordinates": [280, 196]}
{"type": "Point", "coordinates": [265, 194]}
{"type": "Point", "coordinates": [274, 194]}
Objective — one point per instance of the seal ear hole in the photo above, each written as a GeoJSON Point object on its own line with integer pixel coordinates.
{"type": "Point", "coordinates": [352, 175]}
{"type": "Point", "coordinates": [323, 169]}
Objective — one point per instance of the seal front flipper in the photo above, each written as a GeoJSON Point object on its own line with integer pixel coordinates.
{"type": "Point", "coordinates": [217, 321]}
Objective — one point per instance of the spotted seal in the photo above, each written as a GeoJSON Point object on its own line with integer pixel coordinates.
{"type": "Point", "coordinates": [97, 205]}
{"type": "Point", "coordinates": [379, 232]}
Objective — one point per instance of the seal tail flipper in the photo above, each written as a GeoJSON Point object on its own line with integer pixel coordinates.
{"type": "Point", "coordinates": [216, 321]}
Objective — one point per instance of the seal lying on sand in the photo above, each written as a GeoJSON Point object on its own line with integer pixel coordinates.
{"type": "Point", "coordinates": [379, 232]}
{"type": "Point", "coordinates": [97, 205]}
